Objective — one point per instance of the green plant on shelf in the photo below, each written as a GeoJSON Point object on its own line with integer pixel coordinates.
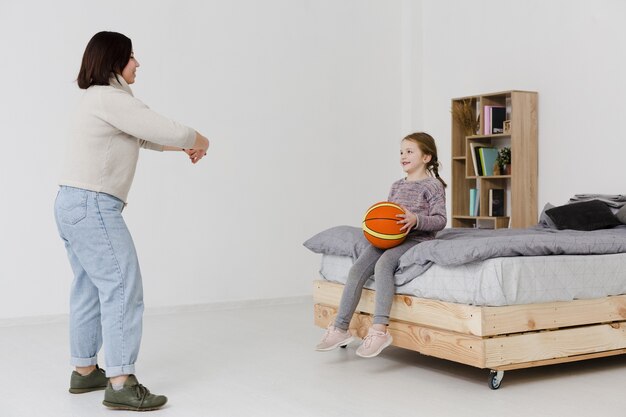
{"type": "Point", "coordinates": [504, 160]}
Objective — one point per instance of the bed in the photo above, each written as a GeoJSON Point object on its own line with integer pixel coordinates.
{"type": "Point", "coordinates": [532, 297]}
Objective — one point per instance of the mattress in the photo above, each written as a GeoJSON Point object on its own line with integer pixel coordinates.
{"type": "Point", "coordinates": [508, 280]}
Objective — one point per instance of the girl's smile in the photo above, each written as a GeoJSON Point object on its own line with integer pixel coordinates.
{"type": "Point", "coordinates": [413, 160]}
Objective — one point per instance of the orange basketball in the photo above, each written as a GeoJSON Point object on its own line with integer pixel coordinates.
{"type": "Point", "coordinates": [380, 227]}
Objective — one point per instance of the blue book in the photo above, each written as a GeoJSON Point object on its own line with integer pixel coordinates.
{"type": "Point", "coordinates": [472, 202]}
{"type": "Point", "coordinates": [488, 159]}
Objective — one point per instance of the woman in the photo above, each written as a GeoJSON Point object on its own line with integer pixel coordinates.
{"type": "Point", "coordinates": [106, 301]}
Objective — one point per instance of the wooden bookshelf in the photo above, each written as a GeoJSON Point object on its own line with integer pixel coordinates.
{"type": "Point", "coordinates": [520, 186]}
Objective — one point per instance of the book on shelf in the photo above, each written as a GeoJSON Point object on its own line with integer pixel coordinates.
{"type": "Point", "coordinates": [498, 116]}
{"type": "Point", "coordinates": [477, 201]}
{"type": "Point", "coordinates": [488, 157]}
{"type": "Point", "coordinates": [496, 202]}
{"type": "Point", "coordinates": [476, 157]}
{"type": "Point", "coordinates": [494, 119]}
{"type": "Point", "coordinates": [472, 201]}
{"type": "Point", "coordinates": [486, 120]}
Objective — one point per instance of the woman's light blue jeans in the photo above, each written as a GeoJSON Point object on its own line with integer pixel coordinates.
{"type": "Point", "coordinates": [106, 300]}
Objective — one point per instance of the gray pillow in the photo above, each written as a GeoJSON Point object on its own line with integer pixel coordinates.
{"type": "Point", "coordinates": [544, 219]}
{"type": "Point", "coordinates": [338, 240]}
{"type": "Point", "coordinates": [621, 214]}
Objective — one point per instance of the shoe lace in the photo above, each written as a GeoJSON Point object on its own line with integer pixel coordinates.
{"type": "Point", "coordinates": [329, 329]}
{"type": "Point", "coordinates": [141, 392]}
{"type": "Point", "coordinates": [367, 341]}
{"type": "Point", "coordinates": [326, 335]}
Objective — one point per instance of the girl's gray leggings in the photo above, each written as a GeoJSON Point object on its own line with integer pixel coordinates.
{"type": "Point", "coordinates": [382, 264]}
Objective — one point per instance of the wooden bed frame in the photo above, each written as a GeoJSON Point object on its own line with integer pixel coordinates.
{"type": "Point", "coordinates": [494, 338]}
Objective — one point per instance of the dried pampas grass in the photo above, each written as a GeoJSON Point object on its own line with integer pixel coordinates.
{"type": "Point", "coordinates": [464, 113]}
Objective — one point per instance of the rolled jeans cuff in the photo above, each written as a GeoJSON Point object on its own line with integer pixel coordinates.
{"type": "Point", "coordinates": [84, 361]}
{"type": "Point", "coordinates": [113, 371]}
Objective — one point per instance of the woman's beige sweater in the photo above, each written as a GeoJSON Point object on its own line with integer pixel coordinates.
{"type": "Point", "coordinates": [108, 129]}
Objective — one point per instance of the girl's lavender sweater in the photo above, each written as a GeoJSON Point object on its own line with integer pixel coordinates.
{"type": "Point", "coordinates": [427, 200]}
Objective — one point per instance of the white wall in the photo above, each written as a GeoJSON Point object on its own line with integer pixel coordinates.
{"type": "Point", "coordinates": [305, 102]}
{"type": "Point", "coordinates": [570, 52]}
{"type": "Point", "coordinates": [302, 101]}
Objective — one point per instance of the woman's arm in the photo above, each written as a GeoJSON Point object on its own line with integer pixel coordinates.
{"type": "Point", "coordinates": [131, 116]}
{"type": "Point", "coordinates": [201, 143]}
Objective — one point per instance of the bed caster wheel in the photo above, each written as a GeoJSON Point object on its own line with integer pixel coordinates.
{"type": "Point", "coordinates": [495, 379]}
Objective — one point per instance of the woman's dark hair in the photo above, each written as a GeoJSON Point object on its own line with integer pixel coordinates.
{"type": "Point", "coordinates": [106, 53]}
{"type": "Point", "coordinates": [427, 145]}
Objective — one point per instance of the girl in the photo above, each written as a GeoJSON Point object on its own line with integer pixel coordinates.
{"type": "Point", "coordinates": [422, 196]}
{"type": "Point", "coordinates": [106, 300]}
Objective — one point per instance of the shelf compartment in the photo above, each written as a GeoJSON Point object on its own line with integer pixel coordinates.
{"type": "Point", "coordinates": [489, 177]}
{"type": "Point", "coordinates": [493, 136]}
{"type": "Point", "coordinates": [472, 221]}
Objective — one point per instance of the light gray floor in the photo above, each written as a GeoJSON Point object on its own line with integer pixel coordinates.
{"type": "Point", "coordinates": [260, 362]}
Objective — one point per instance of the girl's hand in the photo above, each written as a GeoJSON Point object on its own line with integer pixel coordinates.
{"type": "Point", "coordinates": [408, 219]}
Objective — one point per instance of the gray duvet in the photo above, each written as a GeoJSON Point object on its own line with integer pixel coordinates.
{"type": "Point", "coordinates": [455, 247]}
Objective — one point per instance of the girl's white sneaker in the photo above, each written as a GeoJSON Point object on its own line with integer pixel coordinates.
{"type": "Point", "coordinates": [333, 338]}
{"type": "Point", "coordinates": [374, 343]}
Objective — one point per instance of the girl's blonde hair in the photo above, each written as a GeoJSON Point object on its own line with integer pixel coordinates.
{"type": "Point", "coordinates": [427, 145]}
